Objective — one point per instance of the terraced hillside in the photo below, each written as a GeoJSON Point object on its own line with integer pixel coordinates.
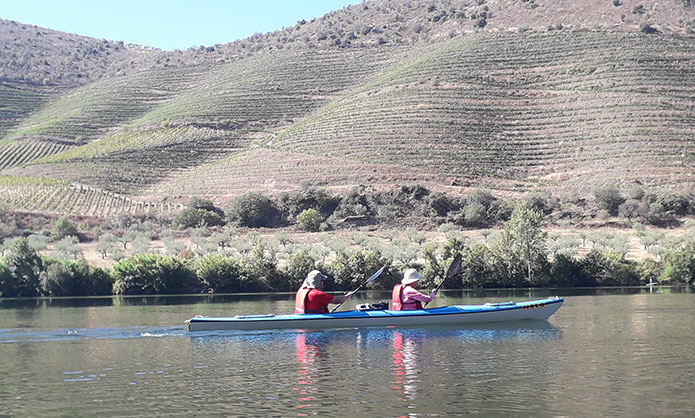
{"type": "Point", "coordinates": [527, 107]}
{"type": "Point", "coordinates": [508, 95]}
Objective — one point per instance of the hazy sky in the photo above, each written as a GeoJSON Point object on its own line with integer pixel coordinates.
{"type": "Point", "coordinates": [167, 24]}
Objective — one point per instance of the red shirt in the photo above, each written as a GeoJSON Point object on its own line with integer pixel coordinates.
{"type": "Point", "coordinates": [316, 301]}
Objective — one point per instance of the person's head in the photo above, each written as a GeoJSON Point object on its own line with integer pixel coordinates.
{"type": "Point", "coordinates": [314, 280]}
{"type": "Point", "coordinates": [411, 278]}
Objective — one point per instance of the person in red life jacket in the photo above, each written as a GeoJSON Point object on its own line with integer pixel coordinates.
{"type": "Point", "coordinates": [405, 296]}
{"type": "Point", "coordinates": [312, 299]}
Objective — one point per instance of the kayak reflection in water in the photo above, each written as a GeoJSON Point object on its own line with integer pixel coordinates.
{"type": "Point", "coordinates": [312, 299]}
{"type": "Point", "coordinates": [405, 364]}
{"type": "Point", "coordinates": [405, 296]}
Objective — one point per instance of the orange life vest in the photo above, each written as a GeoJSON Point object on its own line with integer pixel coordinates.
{"type": "Point", "coordinates": [397, 300]}
{"type": "Point", "coordinates": [300, 302]}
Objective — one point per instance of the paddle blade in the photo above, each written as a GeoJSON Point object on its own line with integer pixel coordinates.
{"type": "Point", "coordinates": [375, 275]}
{"type": "Point", "coordinates": [454, 266]}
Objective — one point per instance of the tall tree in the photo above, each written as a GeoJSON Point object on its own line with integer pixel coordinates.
{"type": "Point", "coordinates": [523, 241]}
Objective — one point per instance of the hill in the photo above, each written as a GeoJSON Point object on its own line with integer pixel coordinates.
{"type": "Point", "coordinates": [513, 96]}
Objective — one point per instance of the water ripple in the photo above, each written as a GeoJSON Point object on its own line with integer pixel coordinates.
{"type": "Point", "coordinates": [8, 336]}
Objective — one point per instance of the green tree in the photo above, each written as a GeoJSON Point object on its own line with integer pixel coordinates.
{"type": "Point", "coordinates": [309, 220]}
{"type": "Point", "coordinates": [609, 198]}
{"type": "Point", "coordinates": [350, 270]}
{"type": "Point", "coordinates": [196, 218]}
{"type": "Point", "coordinates": [478, 268]}
{"type": "Point", "coordinates": [524, 240]}
{"type": "Point", "coordinates": [63, 228]}
{"type": "Point", "coordinates": [38, 242]}
{"type": "Point", "coordinates": [107, 243]}
{"type": "Point", "coordinates": [253, 210]}
{"type": "Point", "coordinates": [22, 268]}
{"type": "Point", "coordinates": [629, 209]}
{"type": "Point", "coordinates": [68, 247]}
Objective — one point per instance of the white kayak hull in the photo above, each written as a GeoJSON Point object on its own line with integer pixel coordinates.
{"type": "Point", "coordinates": [459, 314]}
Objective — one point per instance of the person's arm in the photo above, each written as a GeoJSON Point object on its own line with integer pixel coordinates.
{"type": "Point", "coordinates": [411, 294]}
{"type": "Point", "coordinates": [324, 298]}
{"type": "Point", "coordinates": [341, 299]}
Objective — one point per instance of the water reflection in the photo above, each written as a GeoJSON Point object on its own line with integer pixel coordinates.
{"type": "Point", "coordinates": [311, 349]}
{"type": "Point", "coordinates": [407, 346]}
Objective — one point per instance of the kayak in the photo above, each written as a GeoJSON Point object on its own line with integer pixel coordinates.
{"type": "Point", "coordinates": [458, 314]}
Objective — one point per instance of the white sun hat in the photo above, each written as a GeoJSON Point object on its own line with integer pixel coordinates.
{"type": "Point", "coordinates": [411, 276]}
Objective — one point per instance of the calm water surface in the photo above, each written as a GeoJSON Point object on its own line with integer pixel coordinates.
{"type": "Point", "coordinates": [619, 352]}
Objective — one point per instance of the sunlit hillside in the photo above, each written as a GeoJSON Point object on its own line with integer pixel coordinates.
{"type": "Point", "coordinates": [511, 96]}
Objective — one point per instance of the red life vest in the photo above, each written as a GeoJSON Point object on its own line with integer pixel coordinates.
{"type": "Point", "coordinates": [397, 300]}
{"type": "Point", "coordinates": [300, 302]}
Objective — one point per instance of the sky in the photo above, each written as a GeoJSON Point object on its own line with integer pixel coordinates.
{"type": "Point", "coordinates": [167, 24]}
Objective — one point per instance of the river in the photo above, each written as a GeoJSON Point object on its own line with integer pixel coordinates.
{"type": "Point", "coordinates": [609, 352]}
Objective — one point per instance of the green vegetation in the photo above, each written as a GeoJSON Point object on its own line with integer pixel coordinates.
{"type": "Point", "coordinates": [520, 255]}
{"type": "Point", "coordinates": [252, 210]}
{"type": "Point", "coordinates": [309, 220]}
{"type": "Point", "coordinates": [199, 213]}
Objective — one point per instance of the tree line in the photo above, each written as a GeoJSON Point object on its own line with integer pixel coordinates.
{"type": "Point", "coordinates": [519, 257]}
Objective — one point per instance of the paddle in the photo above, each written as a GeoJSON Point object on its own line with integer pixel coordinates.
{"type": "Point", "coordinates": [374, 276]}
{"type": "Point", "coordinates": [451, 272]}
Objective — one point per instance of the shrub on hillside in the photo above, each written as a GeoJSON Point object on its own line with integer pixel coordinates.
{"type": "Point", "coordinates": [481, 209]}
{"type": "Point", "coordinates": [542, 202]}
{"type": "Point", "coordinates": [205, 204]}
{"type": "Point", "coordinates": [20, 275]}
{"type": "Point", "coordinates": [439, 204]}
{"type": "Point", "coordinates": [74, 279]}
{"type": "Point", "coordinates": [253, 210]}
{"type": "Point", "coordinates": [309, 220]}
{"type": "Point", "coordinates": [293, 203]}
{"type": "Point", "coordinates": [150, 274]}
{"type": "Point", "coordinates": [196, 218]}
{"type": "Point", "coordinates": [629, 209]}
{"type": "Point", "coordinates": [218, 273]}
{"type": "Point", "coordinates": [354, 204]}
{"type": "Point", "coordinates": [62, 228]}
{"type": "Point", "coordinates": [609, 199]}
{"type": "Point", "coordinates": [673, 204]}
{"type": "Point", "coordinates": [639, 9]}
{"type": "Point", "coordinates": [647, 28]}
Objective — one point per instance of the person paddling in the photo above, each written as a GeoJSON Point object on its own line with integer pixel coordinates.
{"type": "Point", "coordinates": [405, 296]}
{"type": "Point", "coordinates": [311, 298]}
